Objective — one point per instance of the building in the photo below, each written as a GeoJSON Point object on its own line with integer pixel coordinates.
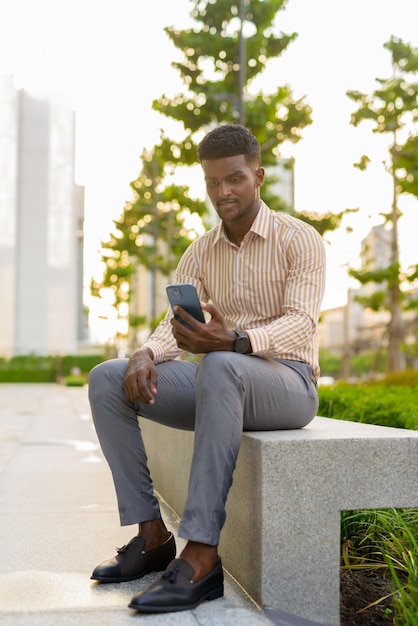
{"type": "Point", "coordinates": [41, 225]}
{"type": "Point", "coordinates": [355, 328]}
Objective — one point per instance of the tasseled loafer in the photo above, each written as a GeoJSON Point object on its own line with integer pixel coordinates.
{"type": "Point", "coordinates": [131, 562]}
{"type": "Point", "coordinates": [175, 591]}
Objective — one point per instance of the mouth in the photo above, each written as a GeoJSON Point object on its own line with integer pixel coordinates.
{"type": "Point", "coordinates": [226, 204]}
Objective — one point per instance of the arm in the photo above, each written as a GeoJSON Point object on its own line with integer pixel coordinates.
{"type": "Point", "coordinates": [303, 293]}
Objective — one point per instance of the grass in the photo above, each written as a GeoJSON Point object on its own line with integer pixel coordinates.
{"type": "Point", "coordinates": [381, 539]}
{"type": "Point", "coordinates": [385, 540]}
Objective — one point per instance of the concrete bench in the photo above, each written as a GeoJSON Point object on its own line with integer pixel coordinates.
{"type": "Point", "coordinates": [281, 540]}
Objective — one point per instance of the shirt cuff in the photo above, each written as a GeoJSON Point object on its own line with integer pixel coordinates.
{"type": "Point", "coordinates": [156, 349]}
{"type": "Point", "coordinates": [260, 341]}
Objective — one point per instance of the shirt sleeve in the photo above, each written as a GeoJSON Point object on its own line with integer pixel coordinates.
{"type": "Point", "coordinates": [305, 285]}
{"type": "Point", "coordinates": [162, 342]}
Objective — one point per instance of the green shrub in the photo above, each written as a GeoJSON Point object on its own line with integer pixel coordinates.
{"type": "Point", "coordinates": [408, 378]}
{"type": "Point", "coordinates": [75, 381]}
{"type": "Point", "coordinates": [45, 369]}
{"type": "Point", "coordinates": [331, 363]}
{"type": "Point", "coordinates": [85, 362]}
{"type": "Point", "coordinates": [379, 403]}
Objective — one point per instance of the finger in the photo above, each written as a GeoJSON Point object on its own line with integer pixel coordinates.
{"type": "Point", "coordinates": [212, 310]}
{"type": "Point", "coordinates": [186, 317]}
{"type": "Point", "coordinates": [147, 388]}
{"type": "Point", "coordinates": [141, 390]}
{"type": "Point", "coordinates": [153, 384]}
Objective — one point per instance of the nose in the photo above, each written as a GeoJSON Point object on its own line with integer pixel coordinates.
{"type": "Point", "coordinates": [224, 189]}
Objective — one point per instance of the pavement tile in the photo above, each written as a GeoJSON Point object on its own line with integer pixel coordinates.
{"type": "Point", "coordinates": [58, 520]}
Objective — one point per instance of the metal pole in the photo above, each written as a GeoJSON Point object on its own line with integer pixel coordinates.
{"type": "Point", "coordinates": [242, 63]}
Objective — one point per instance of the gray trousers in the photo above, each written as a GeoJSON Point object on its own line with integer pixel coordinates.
{"type": "Point", "coordinates": [220, 397]}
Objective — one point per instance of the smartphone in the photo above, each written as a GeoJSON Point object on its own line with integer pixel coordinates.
{"type": "Point", "coordinates": [185, 295]}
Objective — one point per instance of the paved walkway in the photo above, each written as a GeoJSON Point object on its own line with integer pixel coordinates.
{"type": "Point", "coordinates": [58, 520]}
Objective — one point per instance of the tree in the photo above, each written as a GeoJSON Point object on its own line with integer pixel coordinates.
{"type": "Point", "coordinates": [392, 108]}
{"type": "Point", "coordinates": [224, 54]}
{"type": "Point", "coordinates": [152, 231]}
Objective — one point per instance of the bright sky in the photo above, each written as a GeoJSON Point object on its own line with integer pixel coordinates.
{"type": "Point", "coordinates": [113, 59]}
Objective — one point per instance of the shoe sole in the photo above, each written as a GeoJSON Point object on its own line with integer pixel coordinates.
{"type": "Point", "coordinates": [214, 594]}
{"type": "Point", "coordinates": [156, 567]}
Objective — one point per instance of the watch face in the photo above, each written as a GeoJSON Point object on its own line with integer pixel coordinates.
{"type": "Point", "coordinates": [241, 344]}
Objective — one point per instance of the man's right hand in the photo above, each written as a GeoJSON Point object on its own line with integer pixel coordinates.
{"type": "Point", "coordinates": [140, 383]}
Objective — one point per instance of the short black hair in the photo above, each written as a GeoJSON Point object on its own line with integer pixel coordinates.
{"type": "Point", "coordinates": [229, 140]}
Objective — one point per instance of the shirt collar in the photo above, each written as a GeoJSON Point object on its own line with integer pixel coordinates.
{"type": "Point", "coordinates": [260, 225]}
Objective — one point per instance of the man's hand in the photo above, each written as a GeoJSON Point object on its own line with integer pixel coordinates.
{"type": "Point", "coordinates": [140, 383]}
{"type": "Point", "coordinates": [202, 338]}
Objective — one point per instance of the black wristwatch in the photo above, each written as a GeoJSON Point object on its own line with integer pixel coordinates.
{"type": "Point", "coordinates": [241, 343]}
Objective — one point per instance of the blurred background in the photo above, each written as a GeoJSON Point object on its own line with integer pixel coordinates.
{"type": "Point", "coordinates": [77, 85]}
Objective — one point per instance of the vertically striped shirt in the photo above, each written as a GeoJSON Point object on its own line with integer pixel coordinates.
{"type": "Point", "coordinates": [271, 286]}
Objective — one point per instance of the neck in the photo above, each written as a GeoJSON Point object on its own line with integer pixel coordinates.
{"type": "Point", "coordinates": [237, 229]}
{"type": "Point", "coordinates": [235, 236]}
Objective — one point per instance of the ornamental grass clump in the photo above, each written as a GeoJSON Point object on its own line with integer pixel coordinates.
{"type": "Point", "coordinates": [385, 540]}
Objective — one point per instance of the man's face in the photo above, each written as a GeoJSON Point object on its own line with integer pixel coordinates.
{"type": "Point", "coordinates": [233, 188]}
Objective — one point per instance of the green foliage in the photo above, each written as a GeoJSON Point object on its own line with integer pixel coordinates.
{"type": "Point", "coordinates": [75, 381]}
{"type": "Point", "coordinates": [408, 378]}
{"type": "Point", "coordinates": [218, 70]}
{"type": "Point", "coordinates": [385, 539]}
{"type": "Point", "coordinates": [382, 539]}
{"type": "Point", "coordinates": [325, 222]}
{"type": "Point", "coordinates": [45, 369]}
{"type": "Point", "coordinates": [388, 275]}
{"type": "Point", "coordinates": [392, 109]}
{"type": "Point", "coordinates": [216, 92]}
{"type": "Point", "coordinates": [331, 363]}
{"type": "Point", "coordinates": [401, 557]}
{"type": "Point", "coordinates": [27, 369]}
{"type": "Point", "coordinates": [382, 402]}
{"type": "Point", "coordinates": [405, 161]}
{"type": "Point", "coordinates": [368, 535]}
{"type": "Point", "coordinates": [365, 362]}
{"type": "Point", "coordinates": [395, 97]}
{"type": "Point", "coordinates": [212, 66]}
{"type": "Point", "coordinates": [152, 229]}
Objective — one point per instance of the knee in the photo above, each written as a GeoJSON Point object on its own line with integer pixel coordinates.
{"type": "Point", "coordinates": [216, 359]}
{"type": "Point", "coordinates": [219, 367]}
{"type": "Point", "coordinates": [97, 374]}
{"type": "Point", "coordinates": [106, 375]}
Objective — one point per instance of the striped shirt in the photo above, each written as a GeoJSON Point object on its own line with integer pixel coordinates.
{"type": "Point", "coordinates": [271, 286]}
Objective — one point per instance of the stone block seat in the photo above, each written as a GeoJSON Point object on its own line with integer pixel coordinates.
{"type": "Point", "coordinates": [281, 539]}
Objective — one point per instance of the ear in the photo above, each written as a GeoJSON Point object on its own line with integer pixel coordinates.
{"type": "Point", "coordinates": [259, 176]}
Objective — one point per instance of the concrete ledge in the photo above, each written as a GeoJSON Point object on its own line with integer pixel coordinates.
{"type": "Point", "coordinates": [281, 538]}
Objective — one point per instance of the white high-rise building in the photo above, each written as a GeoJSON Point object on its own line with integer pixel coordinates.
{"type": "Point", "coordinates": [41, 225]}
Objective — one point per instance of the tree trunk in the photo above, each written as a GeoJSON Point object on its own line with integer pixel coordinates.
{"type": "Point", "coordinates": [396, 358]}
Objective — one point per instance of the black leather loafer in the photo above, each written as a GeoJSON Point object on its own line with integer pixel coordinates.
{"type": "Point", "coordinates": [131, 562]}
{"type": "Point", "coordinates": [175, 591]}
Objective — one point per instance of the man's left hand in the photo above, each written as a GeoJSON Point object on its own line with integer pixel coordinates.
{"type": "Point", "coordinates": [202, 338]}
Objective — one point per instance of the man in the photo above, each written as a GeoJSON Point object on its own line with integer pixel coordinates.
{"type": "Point", "coordinates": [260, 277]}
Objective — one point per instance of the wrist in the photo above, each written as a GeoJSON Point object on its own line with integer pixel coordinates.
{"type": "Point", "coordinates": [143, 352]}
{"type": "Point", "coordinates": [241, 343]}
